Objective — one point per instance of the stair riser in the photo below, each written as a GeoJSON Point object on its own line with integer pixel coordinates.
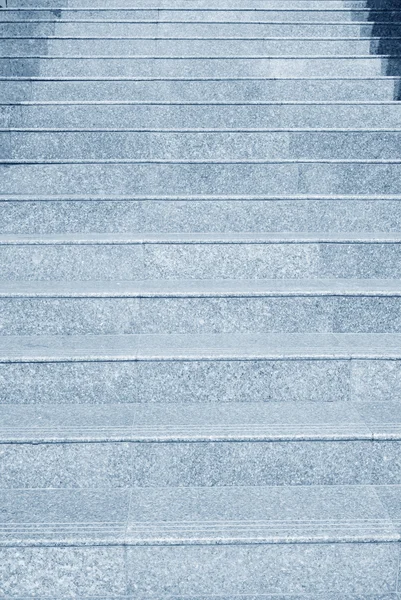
{"type": "Point", "coordinates": [131, 216]}
{"type": "Point", "coordinates": [199, 315]}
{"type": "Point", "coordinates": [220, 569]}
{"type": "Point", "coordinates": [126, 464]}
{"type": "Point", "coordinates": [206, 117]}
{"type": "Point", "coordinates": [325, 15]}
{"type": "Point", "coordinates": [182, 48]}
{"type": "Point", "coordinates": [155, 29]}
{"type": "Point", "coordinates": [219, 67]}
{"type": "Point", "coordinates": [182, 179]}
{"type": "Point", "coordinates": [257, 90]}
{"type": "Point", "coordinates": [200, 261]}
{"type": "Point", "coordinates": [200, 381]}
{"type": "Point", "coordinates": [204, 146]}
{"type": "Point", "coordinates": [264, 4]}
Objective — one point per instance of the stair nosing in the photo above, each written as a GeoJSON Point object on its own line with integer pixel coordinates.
{"type": "Point", "coordinates": [206, 57]}
{"type": "Point", "coordinates": [198, 347]}
{"type": "Point", "coordinates": [183, 288]}
{"type": "Point", "coordinates": [40, 130]}
{"type": "Point", "coordinates": [265, 39]}
{"type": "Point", "coordinates": [265, 79]}
{"type": "Point", "coordinates": [189, 197]}
{"type": "Point", "coordinates": [211, 161]}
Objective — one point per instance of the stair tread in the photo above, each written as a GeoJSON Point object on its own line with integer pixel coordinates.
{"type": "Point", "coordinates": [211, 422]}
{"type": "Point", "coordinates": [194, 515]}
{"type": "Point", "coordinates": [131, 347]}
{"type": "Point", "coordinates": [202, 238]}
{"type": "Point", "coordinates": [200, 288]}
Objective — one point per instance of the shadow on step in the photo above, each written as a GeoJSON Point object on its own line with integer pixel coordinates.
{"type": "Point", "coordinates": [385, 17]}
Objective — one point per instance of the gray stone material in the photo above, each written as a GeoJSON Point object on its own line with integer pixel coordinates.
{"type": "Point", "coordinates": [28, 215]}
{"type": "Point", "coordinates": [183, 29]}
{"type": "Point", "coordinates": [256, 570]}
{"type": "Point", "coordinates": [245, 14]}
{"type": "Point", "coordinates": [75, 517]}
{"type": "Point", "coordinates": [258, 91]}
{"type": "Point", "coordinates": [62, 571]}
{"type": "Point", "coordinates": [225, 347]}
{"type": "Point", "coordinates": [183, 422]}
{"type": "Point", "coordinates": [359, 569]}
{"type": "Point", "coordinates": [190, 381]}
{"type": "Point", "coordinates": [203, 256]}
{"type": "Point", "coordinates": [264, 177]}
{"type": "Point", "coordinates": [189, 145]}
{"type": "Point", "coordinates": [183, 47]}
{"type": "Point", "coordinates": [206, 145]}
{"type": "Point", "coordinates": [192, 67]}
{"type": "Point", "coordinates": [197, 4]}
{"type": "Point", "coordinates": [228, 455]}
{"type": "Point", "coordinates": [193, 306]}
{"type": "Point", "coordinates": [207, 113]}
{"type": "Point", "coordinates": [200, 347]}
{"type": "Point", "coordinates": [102, 465]}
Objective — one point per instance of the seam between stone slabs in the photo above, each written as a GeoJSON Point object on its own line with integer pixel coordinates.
{"type": "Point", "coordinates": [324, 103]}
{"type": "Point", "coordinates": [172, 8]}
{"type": "Point", "coordinates": [323, 57]}
{"type": "Point", "coordinates": [156, 78]}
{"type": "Point", "coordinates": [206, 198]}
{"type": "Point", "coordinates": [187, 240]}
{"type": "Point", "coordinates": [211, 161]}
{"type": "Point", "coordinates": [157, 39]}
{"type": "Point", "coordinates": [179, 22]}
{"type": "Point", "coordinates": [397, 582]}
{"type": "Point", "coordinates": [190, 359]}
{"type": "Point", "coordinates": [239, 130]}
{"type": "Point", "coordinates": [132, 439]}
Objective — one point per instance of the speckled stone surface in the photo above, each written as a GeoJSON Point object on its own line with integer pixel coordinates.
{"type": "Point", "coordinates": [181, 47]}
{"type": "Point", "coordinates": [245, 106]}
{"type": "Point", "coordinates": [197, 516]}
{"type": "Point", "coordinates": [102, 215]}
{"type": "Point", "coordinates": [172, 146]}
{"type": "Point", "coordinates": [258, 570]}
{"type": "Point", "coordinates": [257, 90]}
{"type": "Point", "coordinates": [200, 351]}
{"type": "Point", "coordinates": [62, 571]}
{"type": "Point", "coordinates": [151, 571]}
{"type": "Point", "coordinates": [206, 256]}
{"type": "Point", "coordinates": [193, 381]}
{"type": "Point", "coordinates": [190, 67]}
{"type": "Point", "coordinates": [211, 314]}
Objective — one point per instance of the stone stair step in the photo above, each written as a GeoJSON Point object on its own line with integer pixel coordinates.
{"type": "Point", "coordinates": [346, 513]}
{"type": "Point", "coordinates": [197, 116]}
{"type": "Point", "coordinates": [65, 47]}
{"type": "Point", "coordinates": [244, 29]}
{"type": "Point", "coordinates": [202, 177]}
{"type": "Point", "coordinates": [223, 90]}
{"type": "Point", "coordinates": [123, 542]}
{"type": "Point", "coordinates": [117, 5]}
{"type": "Point", "coordinates": [201, 423]}
{"type": "Point", "coordinates": [191, 306]}
{"type": "Point", "coordinates": [172, 214]}
{"type": "Point", "coordinates": [200, 349]}
{"type": "Point", "coordinates": [366, 66]}
{"type": "Point", "coordinates": [199, 14]}
{"type": "Point", "coordinates": [116, 257]}
{"type": "Point", "coordinates": [42, 145]}
{"type": "Point", "coordinates": [245, 444]}
{"type": "Point", "coordinates": [209, 347]}
{"type": "Point", "coordinates": [200, 368]}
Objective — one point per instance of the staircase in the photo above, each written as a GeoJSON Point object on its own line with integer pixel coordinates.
{"type": "Point", "coordinates": [200, 300]}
